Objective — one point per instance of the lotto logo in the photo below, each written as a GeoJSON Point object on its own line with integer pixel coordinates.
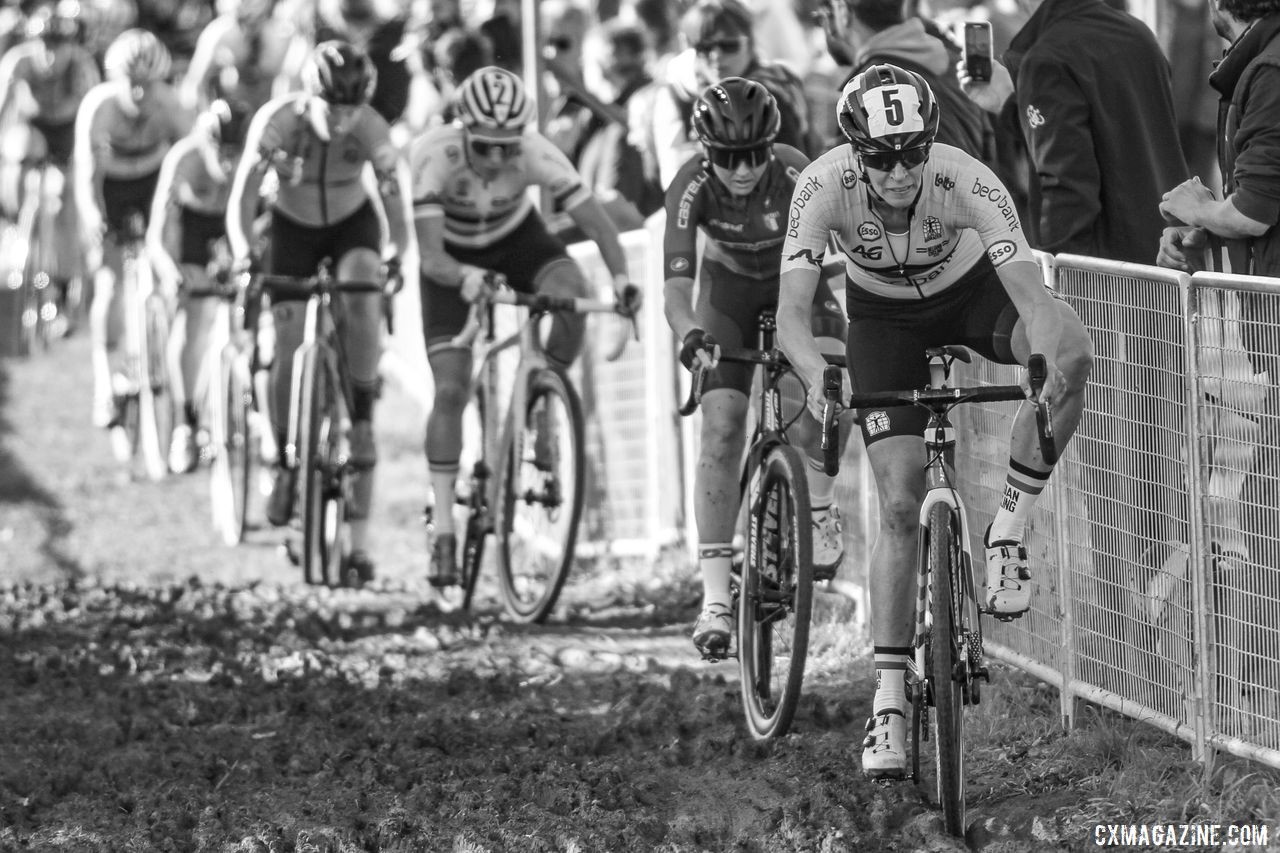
{"type": "Point", "coordinates": [943, 181]}
{"type": "Point", "coordinates": [877, 422]}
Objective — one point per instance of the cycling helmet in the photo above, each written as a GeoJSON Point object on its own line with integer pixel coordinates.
{"type": "Point", "coordinates": [493, 99]}
{"type": "Point", "coordinates": [138, 56]}
{"type": "Point", "coordinates": [736, 115]}
{"type": "Point", "coordinates": [887, 108]}
{"type": "Point", "coordinates": [340, 73]}
{"type": "Point", "coordinates": [229, 121]}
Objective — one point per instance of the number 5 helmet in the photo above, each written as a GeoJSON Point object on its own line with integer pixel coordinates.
{"type": "Point", "coordinates": [736, 115]}
{"type": "Point", "coordinates": [887, 108]}
{"type": "Point", "coordinates": [340, 73]}
{"type": "Point", "coordinates": [138, 56]}
{"type": "Point", "coordinates": [493, 98]}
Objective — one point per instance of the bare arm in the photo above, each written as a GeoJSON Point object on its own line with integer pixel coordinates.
{"type": "Point", "coordinates": [1038, 310]}
{"type": "Point", "coordinates": [1191, 203]}
{"type": "Point", "coordinates": [164, 230]}
{"type": "Point", "coordinates": [589, 215]}
{"type": "Point", "coordinates": [678, 306]}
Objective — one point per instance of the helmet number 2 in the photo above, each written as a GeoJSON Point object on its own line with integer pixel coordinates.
{"type": "Point", "coordinates": [892, 109]}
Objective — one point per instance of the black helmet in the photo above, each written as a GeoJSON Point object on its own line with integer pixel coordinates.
{"type": "Point", "coordinates": [887, 108]}
{"type": "Point", "coordinates": [340, 73]}
{"type": "Point", "coordinates": [736, 115]}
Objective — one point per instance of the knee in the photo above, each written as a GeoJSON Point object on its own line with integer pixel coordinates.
{"type": "Point", "coordinates": [721, 444]}
{"type": "Point", "coordinates": [899, 515]}
{"type": "Point", "coordinates": [567, 336]}
{"type": "Point", "coordinates": [1076, 362]}
{"type": "Point", "coordinates": [450, 397]}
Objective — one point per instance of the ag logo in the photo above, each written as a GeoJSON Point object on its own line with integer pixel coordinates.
{"type": "Point", "coordinates": [679, 264]}
{"type": "Point", "coordinates": [869, 231]}
{"type": "Point", "coordinates": [849, 178]}
{"type": "Point", "coordinates": [1034, 118]}
{"type": "Point", "coordinates": [877, 422]}
{"type": "Point", "coordinates": [771, 221]}
{"type": "Point", "coordinates": [944, 181]}
{"type": "Point", "coordinates": [932, 228]}
{"type": "Point", "coordinates": [872, 254]}
{"type": "Point", "coordinates": [1001, 252]}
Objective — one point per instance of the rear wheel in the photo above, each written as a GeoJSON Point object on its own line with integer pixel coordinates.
{"type": "Point", "coordinates": [319, 476]}
{"type": "Point", "coordinates": [944, 663]}
{"type": "Point", "coordinates": [540, 493]}
{"type": "Point", "coordinates": [776, 593]}
{"type": "Point", "coordinates": [476, 524]}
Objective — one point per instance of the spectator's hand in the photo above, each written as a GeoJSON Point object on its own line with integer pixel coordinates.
{"type": "Point", "coordinates": [475, 282]}
{"type": "Point", "coordinates": [1182, 248]}
{"type": "Point", "coordinates": [701, 347]}
{"type": "Point", "coordinates": [990, 94]}
{"type": "Point", "coordinates": [1180, 205]}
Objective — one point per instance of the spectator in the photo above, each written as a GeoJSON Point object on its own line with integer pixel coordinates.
{"type": "Point", "coordinates": [879, 31]}
{"type": "Point", "coordinates": [238, 55]}
{"type": "Point", "coordinates": [566, 116]}
{"type": "Point", "coordinates": [503, 32]}
{"type": "Point", "coordinates": [1096, 106]}
{"type": "Point", "coordinates": [454, 56]}
{"type": "Point", "coordinates": [1247, 81]}
{"type": "Point", "coordinates": [377, 27]}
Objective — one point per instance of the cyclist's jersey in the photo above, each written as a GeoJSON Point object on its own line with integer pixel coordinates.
{"type": "Point", "coordinates": [238, 63]}
{"type": "Point", "coordinates": [56, 93]}
{"type": "Point", "coordinates": [125, 145]}
{"type": "Point", "coordinates": [479, 213]}
{"type": "Point", "coordinates": [961, 212]}
{"type": "Point", "coordinates": [743, 234]}
{"type": "Point", "coordinates": [320, 182]}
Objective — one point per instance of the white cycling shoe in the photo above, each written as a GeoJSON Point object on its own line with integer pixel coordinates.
{"type": "Point", "coordinates": [713, 632]}
{"type": "Point", "coordinates": [884, 751]}
{"type": "Point", "coordinates": [1008, 578]}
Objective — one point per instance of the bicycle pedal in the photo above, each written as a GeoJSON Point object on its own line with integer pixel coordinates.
{"type": "Point", "coordinates": [981, 672]}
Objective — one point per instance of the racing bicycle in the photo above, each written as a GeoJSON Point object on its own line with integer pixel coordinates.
{"type": "Point", "coordinates": [773, 585]}
{"type": "Point", "coordinates": [39, 308]}
{"type": "Point", "coordinates": [948, 667]}
{"type": "Point", "coordinates": [523, 477]}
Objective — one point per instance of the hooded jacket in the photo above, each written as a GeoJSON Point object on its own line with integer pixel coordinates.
{"type": "Point", "coordinates": [1095, 103]}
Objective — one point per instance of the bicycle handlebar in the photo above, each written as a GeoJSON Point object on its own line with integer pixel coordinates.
{"type": "Point", "coordinates": [691, 403]}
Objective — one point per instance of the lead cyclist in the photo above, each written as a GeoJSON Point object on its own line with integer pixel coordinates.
{"type": "Point", "coordinates": [934, 255]}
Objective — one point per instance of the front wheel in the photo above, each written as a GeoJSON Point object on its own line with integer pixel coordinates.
{"type": "Point", "coordinates": [155, 401]}
{"type": "Point", "coordinates": [540, 496]}
{"type": "Point", "coordinates": [321, 476]}
{"type": "Point", "coordinates": [233, 473]}
{"type": "Point", "coordinates": [943, 657]}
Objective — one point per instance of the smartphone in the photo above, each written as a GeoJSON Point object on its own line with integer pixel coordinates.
{"type": "Point", "coordinates": [977, 50]}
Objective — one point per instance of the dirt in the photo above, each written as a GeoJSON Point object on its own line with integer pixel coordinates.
{"type": "Point", "coordinates": [160, 691]}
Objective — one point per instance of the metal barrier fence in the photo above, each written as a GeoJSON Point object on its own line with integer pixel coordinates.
{"type": "Point", "coordinates": [1157, 548]}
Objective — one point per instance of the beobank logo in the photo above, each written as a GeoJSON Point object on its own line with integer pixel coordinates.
{"type": "Point", "coordinates": [1000, 198]}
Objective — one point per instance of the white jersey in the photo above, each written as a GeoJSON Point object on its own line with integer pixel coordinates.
{"type": "Point", "coordinates": [961, 212]}
{"type": "Point", "coordinates": [479, 213]}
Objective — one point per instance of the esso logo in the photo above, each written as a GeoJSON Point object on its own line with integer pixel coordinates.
{"type": "Point", "coordinates": [1001, 252]}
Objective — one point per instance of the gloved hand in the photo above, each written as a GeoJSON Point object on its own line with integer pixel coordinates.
{"type": "Point", "coordinates": [629, 299]}
{"type": "Point", "coordinates": [701, 346]}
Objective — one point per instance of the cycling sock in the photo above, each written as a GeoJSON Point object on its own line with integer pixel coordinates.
{"type": "Point", "coordinates": [822, 486]}
{"type": "Point", "coordinates": [715, 560]}
{"type": "Point", "coordinates": [442, 485]}
{"type": "Point", "coordinates": [189, 414]}
{"type": "Point", "coordinates": [891, 678]}
{"type": "Point", "coordinates": [1021, 489]}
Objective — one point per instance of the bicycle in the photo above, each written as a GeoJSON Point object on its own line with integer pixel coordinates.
{"type": "Point", "coordinates": [948, 667]}
{"type": "Point", "coordinates": [772, 587]}
{"type": "Point", "coordinates": [240, 438]}
{"type": "Point", "coordinates": [36, 231]}
{"type": "Point", "coordinates": [318, 446]}
{"type": "Point", "coordinates": [533, 501]}
{"type": "Point", "coordinates": [144, 405]}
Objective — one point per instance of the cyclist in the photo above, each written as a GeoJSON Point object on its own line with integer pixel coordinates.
{"type": "Point", "coordinates": [188, 220]}
{"type": "Point", "coordinates": [474, 217]}
{"type": "Point", "coordinates": [238, 55]}
{"type": "Point", "coordinates": [321, 144]}
{"type": "Point", "coordinates": [124, 128]}
{"type": "Point", "coordinates": [737, 195]}
{"type": "Point", "coordinates": [45, 78]}
{"type": "Point", "coordinates": [934, 255]}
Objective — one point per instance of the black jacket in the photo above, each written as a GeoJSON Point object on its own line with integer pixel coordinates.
{"type": "Point", "coordinates": [1096, 108]}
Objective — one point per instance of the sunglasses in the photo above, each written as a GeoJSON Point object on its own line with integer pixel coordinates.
{"type": "Point", "coordinates": [884, 161]}
{"type": "Point", "coordinates": [730, 160]}
{"type": "Point", "coordinates": [507, 148]}
{"type": "Point", "coordinates": [560, 43]}
{"type": "Point", "coordinates": [726, 47]}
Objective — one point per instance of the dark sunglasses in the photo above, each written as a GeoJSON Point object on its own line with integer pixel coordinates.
{"type": "Point", "coordinates": [753, 157]}
{"type": "Point", "coordinates": [727, 47]}
{"type": "Point", "coordinates": [560, 43]}
{"type": "Point", "coordinates": [484, 147]}
{"type": "Point", "coordinates": [884, 161]}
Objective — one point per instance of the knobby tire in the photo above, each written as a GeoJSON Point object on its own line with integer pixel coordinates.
{"type": "Point", "coordinates": [944, 650]}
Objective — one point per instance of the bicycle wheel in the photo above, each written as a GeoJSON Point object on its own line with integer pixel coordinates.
{"type": "Point", "coordinates": [232, 474]}
{"type": "Point", "coordinates": [320, 476]}
{"type": "Point", "coordinates": [776, 595]}
{"type": "Point", "coordinates": [477, 524]}
{"type": "Point", "coordinates": [942, 656]}
{"type": "Point", "coordinates": [155, 403]}
{"type": "Point", "coordinates": [540, 494]}
{"type": "Point", "coordinates": [36, 299]}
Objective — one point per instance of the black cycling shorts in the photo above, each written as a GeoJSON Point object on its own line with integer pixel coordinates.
{"type": "Point", "coordinates": [728, 305]}
{"type": "Point", "coordinates": [59, 140]}
{"type": "Point", "coordinates": [888, 338]}
{"type": "Point", "coordinates": [123, 196]}
{"type": "Point", "coordinates": [520, 256]}
{"type": "Point", "coordinates": [200, 231]}
{"type": "Point", "coordinates": [298, 249]}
